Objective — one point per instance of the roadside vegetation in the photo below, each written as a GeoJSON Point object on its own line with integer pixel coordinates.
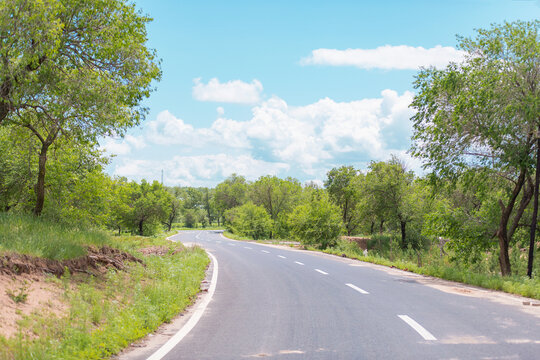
{"type": "Point", "coordinates": [72, 73]}
{"type": "Point", "coordinates": [75, 72]}
{"type": "Point", "coordinates": [103, 306]}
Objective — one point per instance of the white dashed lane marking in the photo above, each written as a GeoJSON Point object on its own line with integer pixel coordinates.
{"type": "Point", "coordinates": [322, 272]}
{"type": "Point", "coordinates": [299, 263]}
{"type": "Point", "coordinates": [281, 256]}
{"type": "Point", "coordinates": [361, 291]}
{"type": "Point", "coordinates": [418, 328]}
{"type": "Point", "coordinates": [247, 247]}
{"type": "Point", "coordinates": [266, 252]}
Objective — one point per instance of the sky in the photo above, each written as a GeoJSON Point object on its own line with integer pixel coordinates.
{"type": "Point", "coordinates": [290, 88]}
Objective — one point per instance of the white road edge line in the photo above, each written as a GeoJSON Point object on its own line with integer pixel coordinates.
{"type": "Point", "coordinates": [266, 252]}
{"type": "Point", "coordinates": [322, 272]}
{"type": "Point", "coordinates": [299, 263]}
{"type": "Point", "coordinates": [361, 291]}
{"type": "Point", "coordinates": [197, 314]}
{"type": "Point", "coordinates": [418, 328]}
{"type": "Point", "coordinates": [281, 256]}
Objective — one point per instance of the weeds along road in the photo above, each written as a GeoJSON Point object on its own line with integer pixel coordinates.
{"type": "Point", "coordinates": [277, 303]}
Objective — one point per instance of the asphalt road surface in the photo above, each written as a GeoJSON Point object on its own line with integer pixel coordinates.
{"type": "Point", "coordinates": [278, 303]}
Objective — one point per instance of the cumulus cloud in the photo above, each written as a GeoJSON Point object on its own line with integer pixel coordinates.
{"type": "Point", "coordinates": [309, 139]}
{"type": "Point", "coordinates": [122, 146]}
{"type": "Point", "coordinates": [235, 91]}
{"type": "Point", "coordinates": [199, 170]}
{"type": "Point", "coordinates": [386, 57]}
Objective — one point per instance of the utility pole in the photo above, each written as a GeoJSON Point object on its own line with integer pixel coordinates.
{"type": "Point", "coordinates": [161, 177]}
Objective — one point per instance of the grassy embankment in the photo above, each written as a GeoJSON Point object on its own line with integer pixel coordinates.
{"type": "Point", "coordinates": [105, 313]}
{"type": "Point", "coordinates": [430, 262]}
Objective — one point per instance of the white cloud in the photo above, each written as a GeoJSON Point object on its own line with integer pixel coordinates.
{"type": "Point", "coordinates": [387, 57]}
{"type": "Point", "coordinates": [198, 170]}
{"type": "Point", "coordinates": [122, 146]}
{"type": "Point", "coordinates": [235, 91]}
{"type": "Point", "coordinates": [302, 141]}
{"type": "Point", "coordinates": [308, 138]}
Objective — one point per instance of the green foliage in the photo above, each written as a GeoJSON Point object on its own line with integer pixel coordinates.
{"type": "Point", "coordinates": [344, 185]}
{"type": "Point", "coordinates": [107, 314]}
{"type": "Point", "coordinates": [250, 220]}
{"type": "Point", "coordinates": [230, 193]}
{"type": "Point", "coordinates": [190, 220]}
{"type": "Point", "coordinates": [72, 72]}
{"type": "Point", "coordinates": [482, 116]}
{"type": "Point", "coordinates": [20, 296]}
{"type": "Point", "coordinates": [147, 207]}
{"type": "Point", "coordinates": [316, 223]}
{"type": "Point", "coordinates": [39, 236]}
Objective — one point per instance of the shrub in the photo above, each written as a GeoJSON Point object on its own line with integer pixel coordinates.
{"type": "Point", "coordinates": [317, 223]}
{"type": "Point", "coordinates": [250, 220]}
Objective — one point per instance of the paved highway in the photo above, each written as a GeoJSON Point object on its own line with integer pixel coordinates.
{"type": "Point", "coordinates": [276, 303]}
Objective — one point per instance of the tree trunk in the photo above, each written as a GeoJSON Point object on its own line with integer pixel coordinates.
{"type": "Point", "coordinates": [535, 211]}
{"type": "Point", "coordinates": [504, 259]}
{"type": "Point", "coordinates": [502, 231]}
{"type": "Point", "coordinates": [372, 226]}
{"type": "Point", "coordinates": [40, 186]}
{"type": "Point", "coordinates": [381, 227]}
{"type": "Point", "coordinates": [403, 225]}
{"type": "Point", "coordinates": [141, 227]}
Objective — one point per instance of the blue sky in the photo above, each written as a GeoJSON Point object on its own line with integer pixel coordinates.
{"type": "Point", "coordinates": [290, 88]}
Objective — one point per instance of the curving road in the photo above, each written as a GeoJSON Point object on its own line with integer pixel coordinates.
{"type": "Point", "coordinates": [279, 303]}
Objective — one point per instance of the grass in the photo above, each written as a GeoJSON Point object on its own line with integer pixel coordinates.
{"type": "Point", "coordinates": [37, 236]}
{"type": "Point", "coordinates": [109, 312]}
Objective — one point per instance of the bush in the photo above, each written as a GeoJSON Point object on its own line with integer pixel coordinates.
{"type": "Point", "coordinates": [317, 223]}
{"type": "Point", "coordinates": [250, 220]}
{"type": "Point", "coordinates": [190, 220]}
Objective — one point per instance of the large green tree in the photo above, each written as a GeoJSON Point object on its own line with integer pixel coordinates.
{"type": "Point", "coordinates": [394, 193]}
{"type": "Point", "coordinates": [72, 68]}
{"type": "Point", "coordinates": [344, 187]}
{"type": "Point", "coordinates": [278, 197]}
{"type": "Point", "coordinates": [483, 114]}
{"type": "Point", "coordinates": [230, 193]}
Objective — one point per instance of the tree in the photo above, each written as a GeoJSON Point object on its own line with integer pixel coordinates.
{"type": "Point", "coordinates": [77, 69]}
{"type": "Point", "coordinates": [148, 206]}
{"type": "Point", "coordinates": [277, 197]}
{"type": "Point", "coordinates": [483, 114]}
{"type": "Point", "coordinates": [393, 192]}
{"type": "Point", "coordinates": [343, 185]}
{"type": "Point", "coordinates": [172, 211]}
{"type": "Point", "coordinates": [316, 223]}
{"type": "Point", "coordinates": [249, 220]}
{"type": "Point", "coordinates": [230, 193]}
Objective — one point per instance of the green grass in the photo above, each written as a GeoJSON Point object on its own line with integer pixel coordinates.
{"type": "Point", "coordinates": [27, 234]}
{"type": "Point", "coordinates": [106, 313]}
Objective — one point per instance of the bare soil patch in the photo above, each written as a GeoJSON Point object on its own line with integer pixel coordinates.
{"type": "Point", "coordinates": [41, 295]}
{"type": "Point", "coordinates": [160, 250]}
{"type": "Point", "coordinates": [26, 287]}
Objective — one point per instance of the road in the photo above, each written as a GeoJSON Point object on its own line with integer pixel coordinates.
{"type": "Point", "coordinates": [277, 303]}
